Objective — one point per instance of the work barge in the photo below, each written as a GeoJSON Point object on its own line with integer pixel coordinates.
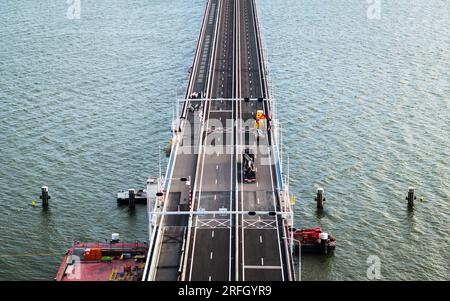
{"type": "Point", "coordinates": [113, 261]}
{"type": "Point", "coordinates": [212, 219]}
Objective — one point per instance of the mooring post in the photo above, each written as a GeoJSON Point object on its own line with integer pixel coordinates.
{"type": "Point", "coordinates": [411, 197]}
{"type": "Point", "coordinates": [319, 198]}
{"type": "Point", "coordinates": [131, 194]}
{"type": "Point", "coordinates": [44, 196]}
{"type": "Point", "coordinates": [323, 242]}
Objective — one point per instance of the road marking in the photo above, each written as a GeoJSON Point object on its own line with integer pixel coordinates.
{"type": "Point", "coordinates": [217, 167]}
{"type": "Point", "coordinates": [209, 278]}
{"type": "Point", "coordinates": [210, 256]}
{"type": "Point", "coordinates": [260, 239]}
{"type": "Point", "coordinates": [262, 261]}
{"type": "Point", "coordinates": [238, 3]}
{"type": "Point", "coordinates": [265, 267]}
{"type": "Point", "coordinates": [215, 197]}
{"type": "Point", "coordinates": [212, 234]}
{"type": "Point", "coordinates": [257, 184]}
{"type": "Point", "coordinates": [257, 200]}
{"type": "Point", "coordinates": [216, 181]}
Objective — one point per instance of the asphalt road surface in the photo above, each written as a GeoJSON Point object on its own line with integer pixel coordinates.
{"type": "Point", "coordinates": [228, 67]}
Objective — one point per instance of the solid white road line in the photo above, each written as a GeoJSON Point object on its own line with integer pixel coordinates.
{"type": "Point", "coordinates": [241, 137]}
{"type": "Point", "coordinates": [270, 154]}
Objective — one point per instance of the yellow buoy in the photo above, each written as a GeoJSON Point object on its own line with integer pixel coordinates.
{"type": "Point", "coordinates": [33, 203]}
{"type": "Point", "coordinates": [292, 199]}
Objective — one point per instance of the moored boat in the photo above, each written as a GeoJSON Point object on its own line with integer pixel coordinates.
{"type": "Point", "coordinates": [313, 240]}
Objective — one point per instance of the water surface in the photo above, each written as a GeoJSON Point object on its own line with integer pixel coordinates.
{"type": "Point", "coordinates": [85, 104]}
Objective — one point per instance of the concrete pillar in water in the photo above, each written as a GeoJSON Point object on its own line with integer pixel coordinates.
{"type": "Point", "coordinates": [44, 196]}
{"type": "Point", "coordinates": [131, 194]}
{"type": "Point", "coordinates": [319, 198]}
{"type": "Point", "coordinates": [410, 197]}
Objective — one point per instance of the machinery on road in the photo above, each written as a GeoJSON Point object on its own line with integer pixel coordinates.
{"type": "Point", "coordinates": [249, 167]}
{"type": "Point", "coordinates": [259, 124]}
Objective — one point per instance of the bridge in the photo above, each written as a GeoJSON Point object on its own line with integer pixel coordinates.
{"type": "Point", "coordinates": [207, 223]}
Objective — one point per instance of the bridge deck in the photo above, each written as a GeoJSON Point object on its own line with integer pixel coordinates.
{"type": "Point", "coordinates": [228, 67]}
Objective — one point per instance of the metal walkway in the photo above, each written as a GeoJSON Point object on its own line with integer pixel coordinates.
{"type": "Point", "coordinates": [207, 224]}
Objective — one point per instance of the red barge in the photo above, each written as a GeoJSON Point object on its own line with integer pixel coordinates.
{"type": "Point", "coordinates": [314, 241]}
{"type": "Point", "coordinates": [114, 261]}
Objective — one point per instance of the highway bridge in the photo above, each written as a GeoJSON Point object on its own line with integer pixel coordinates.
{"type": "Point", "coordinates": [206, 223]}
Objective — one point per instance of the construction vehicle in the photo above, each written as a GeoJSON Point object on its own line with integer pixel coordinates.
{"type": "Point", "coordinates": [248, 164]}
